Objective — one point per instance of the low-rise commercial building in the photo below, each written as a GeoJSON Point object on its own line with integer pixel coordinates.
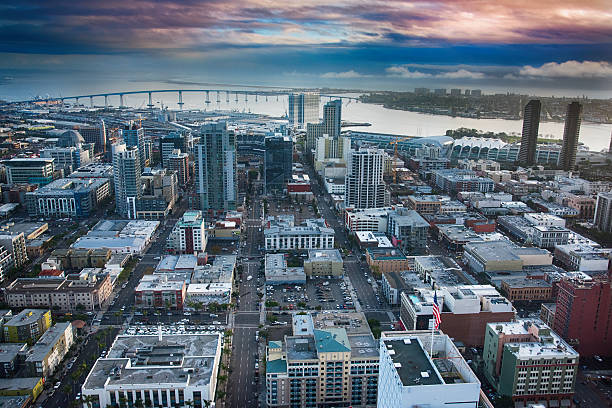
{"type": "Point", "coordinates": [582, 257]}
{"type": "Point", "coordinates": [503, 256]}
{"type": "Point", "coordinates": [157, 291]}
{"type": "Point", "coordinates": [465, 311]}
{"type": "Point", "coordinates": [278, 273]}
{"type": "Point", "coordinates": [29, 387]}
{"type": "Point", "coordinates": [525, 289]}
{"type": "Point", "coordinates": [186, 367]}
{"type": "Point", "coordinates": [119, 236]}
{"type": "Point", "coordinates": [49, 351]}
{"type": "Point", "coordinates": [27, 326]}
{"type": "Point", "coordinates": [282, 234]}
{"type": "Point", "coordinates": [88, 292]}
{"type": "Point", "coordinates": [387, 260]}
{"type": "Point", "coordinates": [455, 180]}
{"type": "Point", "coordinates": [416, 372]}
{"type": "Point", "coordinates": [529, 362]}
{"type": "Point", "coordinates": [324, 262]}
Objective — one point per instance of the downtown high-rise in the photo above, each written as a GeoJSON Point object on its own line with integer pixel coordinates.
{"type": "Point", "coordinates": [127, 176]}
{"type": "Point", "coordinates": [134, 136]}
{"type": "Point", "coordinates": [529, 139]}
{"type": "Point", "coordinates": [215, 168]}
{"type": "Point", "coordinates": [567, 161]}
{"type": "Point", "coordinates": [304, 108]}
{"type": "Point", "coordinates": [278, 163]}
{"type": "Point", "coordinates": [330, 126]}
{"type": "Point", "coordinates": [364, 184]}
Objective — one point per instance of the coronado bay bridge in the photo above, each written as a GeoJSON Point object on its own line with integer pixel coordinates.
{"type": "Point", "coordinates": [219, 95]}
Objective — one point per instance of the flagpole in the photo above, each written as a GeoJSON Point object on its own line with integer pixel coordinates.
{"type": "Point", "coordinates": [432, 337]}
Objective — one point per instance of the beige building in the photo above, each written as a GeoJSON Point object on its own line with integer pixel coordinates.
{"type": "Point", "coordinates": [387, 259]}
{"type": "Point", "coordinates": [330, 360]}
{"type": "Point", "coordinates": [66, 294]}
{"type": "Point", "coordinates": [49, 351]}
{"type": "Point", "coordinates": [15, 244]}
{"type": "Point", "coordinates": [324, 262]}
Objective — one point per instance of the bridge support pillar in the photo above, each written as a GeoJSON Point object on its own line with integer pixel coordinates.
{"type": "Point", "coordinates": [180, 102]}
{"type": "Point", "coordinates": [77, 101]}
{"type": "Point", "coordinates": [121, 105]}
{"type": "Point", "coordinates": [105, 101]}
{"type": "Point", "coordinates": [150, 105]}
{"type": "Point", "coordinates": [207, 98]}
{"type": "Point", "coordinates": [226, 96]}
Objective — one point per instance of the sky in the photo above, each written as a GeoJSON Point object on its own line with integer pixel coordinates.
{"type": "Point", "coordinates": [545, 47]}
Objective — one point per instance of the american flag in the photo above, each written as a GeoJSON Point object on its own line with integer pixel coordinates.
{"type": "Point", "coordinates": [436, 311]}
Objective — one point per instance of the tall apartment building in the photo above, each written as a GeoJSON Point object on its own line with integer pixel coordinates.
{"type": "Point", "coordinates": [582, 315]}
{"type": "Point", "coordinates": [304, 108]}
{"type": "Point", "coordinates": [413, 372]}
{"type": "Point", "coordinates": [571, 132]}
{"type": "Point", "coordinates": [179, 162]}
{"type": "Point", "coordinates": [31, 170]}
{"type": "Point", "coordinates": [330, 126]}
{"type": "Point", "coordinates": [188, 235]}
{"type": "Point", "coordinates": [215, 168]}
{"type": "Point", "coordinates": [529, 139]}
{"type": "Point", "coordinates": [529, 362]}
{"type": "Point", "coordinates": [127, 174]}
{"type": "Point", "coordinates": [27, 326]}
{"type": "Point", "coordinates": [15, 244]}
{"type": "Point", "coordinates": [134, 136]}
{"type": "Point", "coordinates": [330, 360]}
{"type": "Point", "coordinates": [603, 212]}
{"type": "Point", "coordinates": [181, 140]}
{"type": "Point", "coordinates": [278, 163]}
{"type": "Point", "coordinates": [364, 184]}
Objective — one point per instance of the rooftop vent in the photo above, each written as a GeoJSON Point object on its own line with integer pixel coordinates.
{"type": "Point", "coordinates": [424, 374]}
{"type": "Point", "coordinates": [397, 365]}
{"type": "Point", "coordinates": [406, 341]}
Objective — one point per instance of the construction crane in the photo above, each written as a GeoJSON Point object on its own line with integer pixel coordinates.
{"type": "Point", "coordinates": [395, 155]}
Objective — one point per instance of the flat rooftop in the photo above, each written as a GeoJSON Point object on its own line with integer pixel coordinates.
{"type": "Point", "coordinates": [412, 362]}
{"type": "Point", "coordinates": [26, 317]}
{"type": "Point", "coordinates": [319, 255]}
{"type": "Point", "coordinates": [47, 341]}
{"type": "Point", "coordinates": [187, 359]}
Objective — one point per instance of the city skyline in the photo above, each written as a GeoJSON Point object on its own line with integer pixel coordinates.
{"type": "Point", "coordinates": [553, 47]}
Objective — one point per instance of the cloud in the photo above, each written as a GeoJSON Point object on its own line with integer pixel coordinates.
{"type": "Point", "coordinates": [404, 72]}
{"type": "Point", "coordinates": [344, 75]}
{"type": "Point", "coordinates": [462, 73]}
{"type": "Point", "coordinates": [569, 69]}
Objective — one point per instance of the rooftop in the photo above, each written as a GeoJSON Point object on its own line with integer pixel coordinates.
{"type": "Point", "coordinates": [412, 362]}
{"type": "Point", "coordinates": [47, 342]}
{"type": "Point", "coordinates": [26, 317]}
{"type": "Point", "coordinates": [186, 359]}
{"type": "Point", "coordinates": [386, 254]}
{"type": "Point", "coordinates": [158, 283]}
{"type": "Point", "coordinates": [318, 255]}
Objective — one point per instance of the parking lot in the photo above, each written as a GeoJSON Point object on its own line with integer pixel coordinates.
{"type": "Point", "coordinates": [180, 327]}
{"type": "Point", "coordinates": [300, 210]}
{"type": "Point", "coordinates": [319, 293]}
